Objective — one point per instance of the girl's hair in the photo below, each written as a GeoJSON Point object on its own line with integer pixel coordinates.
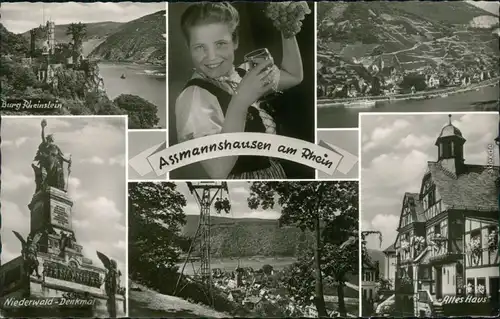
{"type": "Point", "coordinates": [210, 12]}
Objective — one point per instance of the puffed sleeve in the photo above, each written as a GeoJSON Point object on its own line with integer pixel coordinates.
{"type": "Point", "coordinates": [197, 114]}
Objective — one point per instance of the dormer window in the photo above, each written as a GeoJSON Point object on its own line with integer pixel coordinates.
{"type": "Point", "coordinates": [437, 229]}
{"type": "Point", "coordinates": [432, 197]}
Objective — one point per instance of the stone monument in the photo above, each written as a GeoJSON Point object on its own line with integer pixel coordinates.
{"type": "Point", "coordinates": [52, 263]}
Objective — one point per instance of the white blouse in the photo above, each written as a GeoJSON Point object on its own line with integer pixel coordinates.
{"type": "Point", "coordinates": [198, 112]}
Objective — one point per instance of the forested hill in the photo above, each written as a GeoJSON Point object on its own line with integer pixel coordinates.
{"type": "Point", "coordinates": [96, 30]}
{"type": "Point", "coordinates": [140, 40]}
{"type": "Point", "coordinates": [11, 43]}
{"type": "Point", "coordinates": [232, 237]}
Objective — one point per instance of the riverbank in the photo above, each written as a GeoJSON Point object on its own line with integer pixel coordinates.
{"type": "Point", "coordinates": [477, 100]}
{"type": "Point", "coordinates": [325, 103]}
{"type": "Point", "coordinates": [146, 81]}
{"type": "Point", "coordinates": [157, 63]}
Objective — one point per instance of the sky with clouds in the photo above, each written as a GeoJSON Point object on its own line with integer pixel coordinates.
{"type": "Point", "coordinates": [238, 194]}
{"type": "Point", "coordinates": [19, 17]}
{"type": "Point", "coordinates": [97, 183]}
{"type": "Point", "coordinates": [394, 154]}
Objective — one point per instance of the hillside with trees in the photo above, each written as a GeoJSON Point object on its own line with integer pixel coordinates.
{"type": "Point", "coordinates": [140, 40]}
{"type": "Point", "coordinates": [250, 237]}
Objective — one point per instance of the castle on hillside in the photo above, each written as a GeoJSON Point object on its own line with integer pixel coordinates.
{"type": "Point", "coordinates": [50, 57]}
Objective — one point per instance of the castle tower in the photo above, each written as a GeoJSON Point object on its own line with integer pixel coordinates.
{"type": "Point", "coordinates": [33, 33]}
{"type": "Point", "coordinates": [51, 36]}
{"type": "Point", "coordinates": [450, 145]}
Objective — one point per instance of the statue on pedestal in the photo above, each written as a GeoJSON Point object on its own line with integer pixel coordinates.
{"type": "Point", "coordinates": [111, 282]}
{"type": "Point", "coordinates": [50, 158]}
{"type": "Point", "coordinates": [29, 252]}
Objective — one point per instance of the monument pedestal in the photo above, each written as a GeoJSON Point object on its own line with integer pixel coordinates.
{"type": "Point", "coordinates": [81, 286]}
{"type": "Point", "coordinates": [50, 207]}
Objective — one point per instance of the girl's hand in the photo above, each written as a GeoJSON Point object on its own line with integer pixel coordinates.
{"type": "Point", "coordinates": [256, 83]}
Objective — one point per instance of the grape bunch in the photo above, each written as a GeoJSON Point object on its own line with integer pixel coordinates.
{"type": "Point", "coordinates": [287, 16]}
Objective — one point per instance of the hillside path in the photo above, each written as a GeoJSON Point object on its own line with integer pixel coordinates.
{"type": "Point", "coordinates": [150, 304]}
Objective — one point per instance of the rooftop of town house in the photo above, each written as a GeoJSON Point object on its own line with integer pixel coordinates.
{"type": "Point", "coordinates": [475, 189]}
{"type": "Point", "coordinates": [417, 210]}
{"type": "Point", "coordinates": [390, 249]}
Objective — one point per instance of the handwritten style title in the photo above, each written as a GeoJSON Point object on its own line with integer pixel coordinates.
{"type": "Point", "coordinates": [463, 300]}
{"type": "Point", "coordinates": [47, 302]}
{"type": "Point", "coordinates": [245, 144]}
{"type": "Point", "coordinates": [256, 145]}
{"type": "Point", "coordinates": [29, 104]}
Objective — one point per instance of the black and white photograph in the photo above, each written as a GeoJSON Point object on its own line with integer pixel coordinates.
{"type": "Point", "coordinates": [405, 56]}
{"type": "Point", "coordinates": [243, 249]}
{"type": "Point", "coordinates": [345, 142]}
{"type": "Point", "coordinates": [99, 58]}
{"type": "Point", "coordinates": [142, 143]}
{"type": "Point", "coordinates": [262, 51]}
{"type": "Point", "coordinates": [63, 229]}
{"type": "Point", "coordinates": [429, 192]}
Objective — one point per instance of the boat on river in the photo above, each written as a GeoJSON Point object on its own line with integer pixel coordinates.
{"type": "Point", "coordinates": [360, 104]}
{"type": "Point", "coordinates": [357, 104]}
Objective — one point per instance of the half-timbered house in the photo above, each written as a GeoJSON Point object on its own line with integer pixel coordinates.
{"type": "Point", "coordinates": [447, 244]}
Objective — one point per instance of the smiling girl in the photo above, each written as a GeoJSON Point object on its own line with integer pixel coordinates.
{"type": "Point", "coordinates": [220, 98]}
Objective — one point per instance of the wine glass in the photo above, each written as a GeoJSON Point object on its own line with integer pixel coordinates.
{"type": "Point", "coordinates": [258, 56]}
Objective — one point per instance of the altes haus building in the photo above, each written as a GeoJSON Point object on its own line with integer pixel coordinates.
{"type": "Point", "coordinates": [445, 258]}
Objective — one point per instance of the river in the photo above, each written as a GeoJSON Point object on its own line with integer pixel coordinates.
{"type": "Point", "coordinates": [339, 117]}
{"type": "Point", "coordinates": [139, 80]}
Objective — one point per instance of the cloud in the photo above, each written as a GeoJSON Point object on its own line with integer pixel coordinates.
{"type": "Point", "coordinates": [259, 214]}
{"type": "Point", "coordinates": [383, 135]}
{"type": "Point", "coordinates": [12, 181]}
{"type": "Point", "coordinates": [30, 123]}
{"type": "Point", "coordinates": [413, 141]}
{"type": "Point", "coordinates": [100, 227]}
{"type": "Point", "coordinates": [74, 189]}
{"type": "Point", "coordinates": [387, 224]}
{"type": "Point", "coordinates": [120, 245]}
{"type": "Point", "coordinates": [13, 219]}
{"type": "Point", "coordinates": [191, 208]}
{"type": "Point", "coordinates": [93, 160]}
{"type": "Point", "coordinates": [91, 247]}
{"type": "Point", "coordinates": [17, 142]}
{"type": "Point", "coordinates": [239, 190]}
{"type": "Point", "coordinates": [104, 208]}
{"type": "Point", "coordinates": [393, 170]}
{"type": "Point", "coordinates": [117, 160]}
{"type": "Point", "coordinates": [100, 137]}
{"type": "Point", "coordinates": [6, 143]}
